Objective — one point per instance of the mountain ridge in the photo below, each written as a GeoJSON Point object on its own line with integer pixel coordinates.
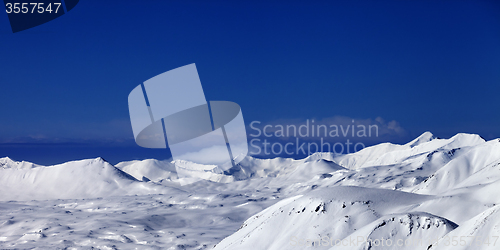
{"type": "Point", "coordinates": [427, 189]}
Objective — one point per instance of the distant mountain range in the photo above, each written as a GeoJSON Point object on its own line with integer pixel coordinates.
{"type": "Point", "coordinates": [433, 193]}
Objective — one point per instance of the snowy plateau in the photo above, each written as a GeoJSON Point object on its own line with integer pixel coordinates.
{"type": "Point", "coordinates": [430, 193]}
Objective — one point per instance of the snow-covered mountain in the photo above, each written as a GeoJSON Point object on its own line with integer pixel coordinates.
{"type": "Point", "coordinates": [77, 179]}
{"type": "Point", "coordinates": [149, 169]}
{"type": "Point", "coordinates": [7, 163]}
{"type": "Point", "coordinates": [427, 194]}
{"type": "Point", "coordinates": [459, 178]}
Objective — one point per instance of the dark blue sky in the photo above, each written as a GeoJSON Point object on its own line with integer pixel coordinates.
{"type": "Point", "coordinates": [429, 65]}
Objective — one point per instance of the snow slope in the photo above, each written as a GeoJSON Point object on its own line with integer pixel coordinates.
{"type": "Point", "coordinates": [149, 169]}
{"type": "Point", "coordinates": [7, 163]}
{"type": "Point", "coordinates": [387, 153]}
{"type": "Point", "coordinates": [480, 232]}
{"type": "Point", "coordinates": [479, 164]}
{"type": "Point", "coordinates": [329, 212]}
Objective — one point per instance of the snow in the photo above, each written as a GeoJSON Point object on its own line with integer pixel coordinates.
{"type": "Point", "coordinates": [77, 179]}
{"type": "Point", "coordinates": [480, 232]}
{"type": "Point", "coordinates": [336, 213]}
{"type": "Point", "coordinates": [428, 192]}
{"type": "Point", "coordinates": [150, 169]}
{"type": "Point", "coordinates": [7, 163]}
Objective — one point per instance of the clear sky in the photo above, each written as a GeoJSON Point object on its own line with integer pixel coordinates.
{"type": "Point", "coordinates": [427, 65]}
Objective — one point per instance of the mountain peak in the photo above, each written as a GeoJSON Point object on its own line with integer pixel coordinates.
{"type": "Point", "coordinates": [5, 159]}
{"type": "Point", "coordinates": [423, 138]}
{"type": "Point", "coordinates": [320, 155]}
{"type": "Point", "coordinates": [99, 159]}
{"type": "Point", "coordinates": [6, 162]}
